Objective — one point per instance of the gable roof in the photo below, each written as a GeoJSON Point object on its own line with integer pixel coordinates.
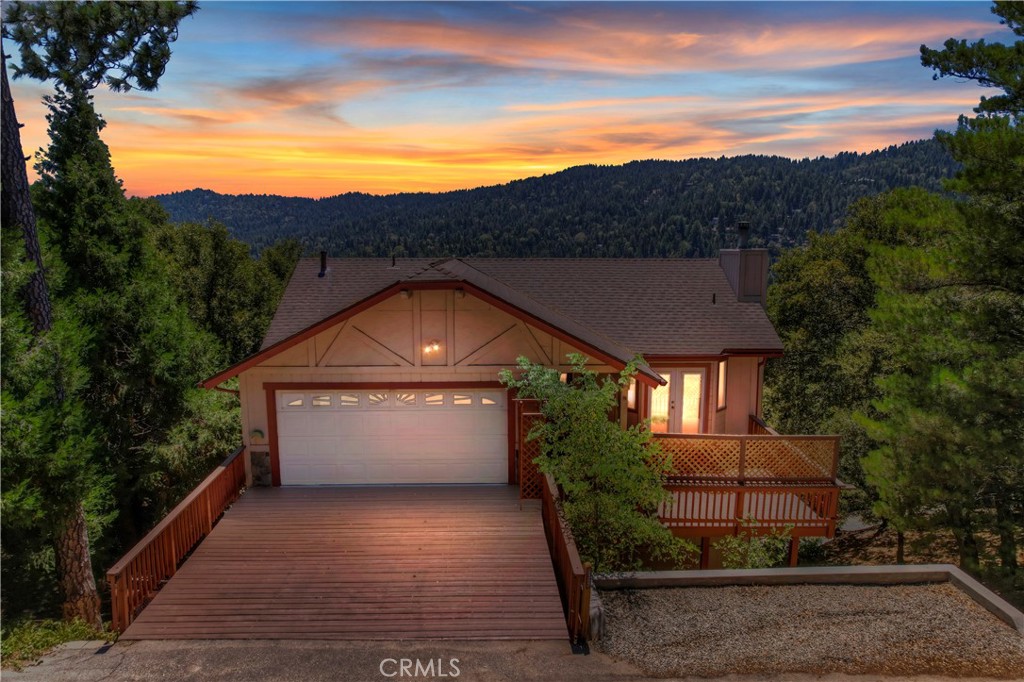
{"type": "Point", "coordinates": [617, 307]}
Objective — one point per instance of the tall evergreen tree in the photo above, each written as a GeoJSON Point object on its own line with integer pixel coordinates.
{"type": "Point", "coordinates": [78, 45]}
{"type": "Point", "coordinates": [952, 420]}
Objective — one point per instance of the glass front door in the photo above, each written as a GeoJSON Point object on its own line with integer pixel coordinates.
{"type": "Point", "coordinates": [678, 406]}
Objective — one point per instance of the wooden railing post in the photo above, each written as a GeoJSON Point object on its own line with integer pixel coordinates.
{"type": "Point", "coordinates": [117, 608]}
{"type": "Point", "coordinates": [740, 500]}
{"type": "Point", "coordinates": [209, 512]}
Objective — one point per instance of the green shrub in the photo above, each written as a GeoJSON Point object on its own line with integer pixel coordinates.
{"type": "Point", "coordinates": [813, 552]}
{"type": "Point", "coordinates": [28, 640]}
{"type": "Point", "coordinates": [751, 549]}
{"type": "Point", "coordinates": [611, 478]}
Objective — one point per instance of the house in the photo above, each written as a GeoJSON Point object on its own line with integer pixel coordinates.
{"type": "Point", "coordinates": [381, 371]}
{"type": "Point", "coordinates": [376, 372]}
{"type": "Point", "coordinates": [385, 371]}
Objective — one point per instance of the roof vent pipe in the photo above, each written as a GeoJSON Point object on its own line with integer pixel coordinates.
{"type": "Point", "coordinates": [323, 264]}
{"type": "Point", "coordinates": [743, 230]}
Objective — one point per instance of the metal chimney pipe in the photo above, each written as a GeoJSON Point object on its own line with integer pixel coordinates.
{"type": "Point", "coordinates": [743, 231]}
{"type": "Point", "coordinates": [323, 264]}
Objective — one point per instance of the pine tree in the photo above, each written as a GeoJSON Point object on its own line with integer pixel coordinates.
{"type": "Point", "coordinates": [79, 45]}
{"type": "Point", "coordinates": [951, 426]}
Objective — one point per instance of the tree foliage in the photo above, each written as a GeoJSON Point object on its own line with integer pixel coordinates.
{"type": "Point", "coordinates": [952, 417]}
{"type": "Point", "coordinates": [228, 294]}
{"type": "Point", "coordinates": [819, 302]}
{"type": "Point", "coordinates": [992, 65]}
{"type": "Point", "coordinates": [80, 45]}
{"type": "Point", "coordinates": [76, 44]}
{"type": "Point", "coordinates": [611, 477]}
{"type": "Point", "coordinates": [933, 319]}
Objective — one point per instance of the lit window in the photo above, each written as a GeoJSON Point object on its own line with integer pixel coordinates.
{"type": "Point", "coordinates": [321, 401]}
{"type": "Point", "coordinates": [433, 399]}
{"type": "Point", "coordinates": [631, 395]}
{"type": "Point", "coordinates": [462, 399]}
{"type": "Point", "coordinates": [484, 400]}
{"type": "Point", "coordinates": [405, 398]}
{"type": "Point", "coordinates": [348, 400]}
{"type": "Point", "coordinates": [293, 400]}
{"type": "Point", "coordinates": [721, 384]}
{"type": "Point", "coordinates": [377, 399]}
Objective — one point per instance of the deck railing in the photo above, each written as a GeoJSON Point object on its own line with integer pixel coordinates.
{"type": "Point", "coordinates": [754, 458]}
{"type": "Point", "coordinates": [722, 484]}
{"type": "Point", "coordinates": [701, 509]}
{"type": "Point", "coordinates": [155, 558]}
{"type": "Point", "coordinates": [572, 574]}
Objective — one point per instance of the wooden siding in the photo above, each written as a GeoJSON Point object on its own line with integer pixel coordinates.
{"type": "Point", "coordinates": [374, 563]}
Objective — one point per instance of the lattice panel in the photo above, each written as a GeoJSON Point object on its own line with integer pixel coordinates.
{"type": "Point", "coordinates": [780, 457]}
{"type": "Point", "coordinates": [702, 457]}
{"type": "Point", "coordinates": [529, 475]}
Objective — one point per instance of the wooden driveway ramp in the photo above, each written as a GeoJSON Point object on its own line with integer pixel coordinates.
{"type": "Point", "coordinates": [381, 563]}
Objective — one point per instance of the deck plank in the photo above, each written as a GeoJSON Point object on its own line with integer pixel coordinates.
{"type": "Point", "coordinates": [382, 563]}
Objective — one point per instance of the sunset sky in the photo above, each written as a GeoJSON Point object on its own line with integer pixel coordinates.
{"type": "Point", "coordinates": [317, 99]}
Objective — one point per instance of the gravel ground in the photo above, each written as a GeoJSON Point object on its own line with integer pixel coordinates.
{"type": "Point", "coordinates": [816, 629]}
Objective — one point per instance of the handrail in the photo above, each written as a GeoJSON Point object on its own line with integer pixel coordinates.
{"type": "Point", "coordinates": [137, 576]}
{"type": "Point", "coordinates": [757, 426]}
{"type": "Point", "coordinates": [572, 574]}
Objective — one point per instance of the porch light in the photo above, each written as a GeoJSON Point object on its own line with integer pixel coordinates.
{"type": "Point", "coordinates": [432, 346]}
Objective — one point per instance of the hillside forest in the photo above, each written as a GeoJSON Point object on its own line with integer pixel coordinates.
{"type": "Point", "coordinates": [897, 288]}
{"type": "Point", "coordinates": [640, 210]}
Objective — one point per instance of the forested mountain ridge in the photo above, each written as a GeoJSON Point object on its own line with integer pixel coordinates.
{"type": "Point", "coordinates": [642, 208]}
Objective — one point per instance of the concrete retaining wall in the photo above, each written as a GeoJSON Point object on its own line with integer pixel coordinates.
{"type": "Point", "coordinates": [812, 575]}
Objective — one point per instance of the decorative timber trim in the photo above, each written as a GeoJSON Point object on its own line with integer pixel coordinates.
{"type": "Point", "coordinates": [609, 357]}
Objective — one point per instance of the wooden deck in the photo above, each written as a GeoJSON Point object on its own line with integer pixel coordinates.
{"type": "Point", "coordinates": [373, 563]}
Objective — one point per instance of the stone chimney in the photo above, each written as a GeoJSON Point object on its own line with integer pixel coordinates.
{"type": "Point", "coordinates": [746, 269]}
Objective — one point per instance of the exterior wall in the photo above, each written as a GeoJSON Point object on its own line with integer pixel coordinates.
{"type": "Point", "coordinates": [389, 343]}
{"type": "Point", "coordinates": [741, 394]}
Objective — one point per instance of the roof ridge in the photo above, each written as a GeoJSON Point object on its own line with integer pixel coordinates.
{"type": "Point", "coordinates": [546, 306]}
{"type": "Point", "coordinates": [432, 265]}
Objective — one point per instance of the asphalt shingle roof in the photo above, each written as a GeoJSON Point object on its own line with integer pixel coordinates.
{"type": "Point", "coordinates": [651, 306]}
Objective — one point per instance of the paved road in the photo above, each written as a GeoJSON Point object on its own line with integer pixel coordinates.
{"type": "Point", "coordinates": [293, 661]}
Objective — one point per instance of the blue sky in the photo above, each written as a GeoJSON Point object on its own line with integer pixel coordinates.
{"type": "Point", "coordinates": [315, 99]}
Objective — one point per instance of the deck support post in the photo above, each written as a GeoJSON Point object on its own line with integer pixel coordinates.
{"type": "Point", "coordinates": [705, 553]}
{"type": "Point", "coordinates": [794, 550]}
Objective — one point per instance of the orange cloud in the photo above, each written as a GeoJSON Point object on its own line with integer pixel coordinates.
{"type": "Point", "coordinates": [582, 44]}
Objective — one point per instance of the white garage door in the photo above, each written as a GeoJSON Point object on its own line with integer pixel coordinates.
{"type": "Point", "coordinates": [392, 436]}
